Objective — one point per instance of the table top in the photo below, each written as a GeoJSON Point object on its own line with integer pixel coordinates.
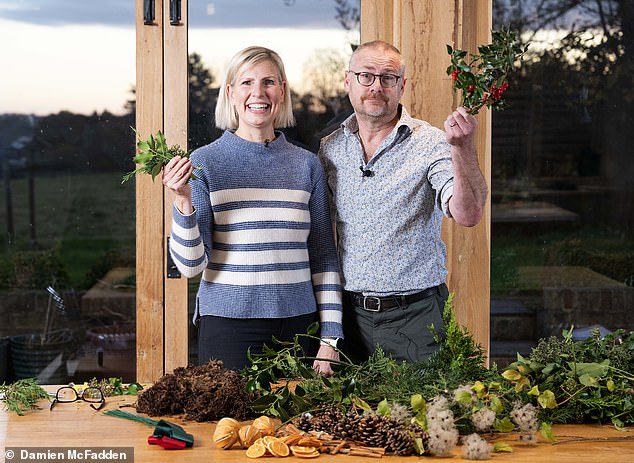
{"type": "Point", "coordinates": [75, 424]}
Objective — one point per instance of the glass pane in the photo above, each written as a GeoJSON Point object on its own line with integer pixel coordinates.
{"type": "Point", "coordinates": [563, 200]}
{"type": "Point", "coordinates": [314, 40]}
{"type": "Point", "coordinates": [67, 298]}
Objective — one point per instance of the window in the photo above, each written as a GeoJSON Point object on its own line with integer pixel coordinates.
{"type": "Point", "coordinates": [562, 199]}
{"type": "Point", "coordinates": [67, 298]}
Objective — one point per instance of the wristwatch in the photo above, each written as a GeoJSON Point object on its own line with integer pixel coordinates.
{"type": "Point", "coordinates": [332, 342]}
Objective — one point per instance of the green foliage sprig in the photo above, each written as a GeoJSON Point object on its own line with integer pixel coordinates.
{"type": "Point", "coordinates": [580, 381]}
{"type": "Point", "coordinates": [564, 381]}
{"type": "Point", "coordinates": [153, 154]}
{"type": "Point", "coordinates": [22, 395]}
{"type": "Point", "coordinates": [482, 77]}
{"type": "Point", "coordinates": [115, 386]}
{"type": "Point", "coordinates": [458, 361]}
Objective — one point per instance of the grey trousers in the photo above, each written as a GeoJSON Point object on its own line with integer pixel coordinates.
{"type": "Point", "coordinates": [403, 332]}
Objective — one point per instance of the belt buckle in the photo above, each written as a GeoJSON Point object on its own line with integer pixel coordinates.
{"type": "Point", "coordinates": [378, 303]}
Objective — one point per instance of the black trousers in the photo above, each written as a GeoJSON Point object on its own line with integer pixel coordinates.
{"type": "Point", "coordinates": [228, 339]}
{"type": "Point", "coordinates": [403, 332]}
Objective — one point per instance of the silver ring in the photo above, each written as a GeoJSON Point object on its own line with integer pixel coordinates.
{"type": "Point", "coordinates": [453, 125]}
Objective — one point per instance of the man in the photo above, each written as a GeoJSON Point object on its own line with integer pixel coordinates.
{"type": "Point", "coordinates": [391, 179]}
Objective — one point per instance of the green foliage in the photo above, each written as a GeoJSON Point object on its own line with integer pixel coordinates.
{"type": "Point", "coordinates": [580, 381]}
{"type": "Point", "coordinates": [22, 395]}
{"type": "Point", "coordinates": [153, 154]}
{"type": "Point", "coordinates": [569, 382]}
{"type": "Point", "coordinates": [482, 77]}
{"type": "Point", "coordinates": [115, 386]}
{"type": "Point", "coordinates": [373, 384]}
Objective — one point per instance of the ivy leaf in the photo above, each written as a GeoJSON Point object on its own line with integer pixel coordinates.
{"type": "Point", "coordinates": [496, 405]}
{"type": "Point", "coordinates": [362, 404]}
{"type": "Point", "coordinates": [588, 380]}
{"type": "Point", "coordinates": [383, 408]}
{"type": "Point", "coordinates": [479, 388]}
{"type": "Point", "coordinates": [420, 419]}
{"type": "Point", "coordinates": [511, 375]}
{"type": "Point", "coordinates": [534, 391]}
{"type": "Point", "coordinates": [503, 425]}
{"type": "Point", "coordinates": [521, 384]}
{"type": "Point", "coordinates": [464, 398]}
{"type": "Point", "coordinates": [500, 447]}
{"type": "Point", "coordinates": [419, 447]}
{"type": "Point", "coordinates": [546, 430]}
{"type": "Point", "coordinates": [610, 385]}
{"type": "Point", "coordinates": [547, 399]}
{"type": "Point", "coordinates": [418, 403]}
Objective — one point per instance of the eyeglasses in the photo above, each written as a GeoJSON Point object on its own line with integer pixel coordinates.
{"type": "Point", "coordinates": [367, 79]}
{"type": "Point", "coordinates": [67, 394]}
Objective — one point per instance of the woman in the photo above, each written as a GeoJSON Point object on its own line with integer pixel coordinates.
{"type": "Point", "coordinates": [255, 222]}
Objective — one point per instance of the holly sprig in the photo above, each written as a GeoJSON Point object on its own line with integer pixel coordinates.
{"type": "Point", "coordinates": [153, 154]}
{"type": "Point", "coordinates": [482, 77]}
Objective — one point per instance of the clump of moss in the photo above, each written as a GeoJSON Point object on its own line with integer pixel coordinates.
{"type": "Point", "coordinates": [206, 392]}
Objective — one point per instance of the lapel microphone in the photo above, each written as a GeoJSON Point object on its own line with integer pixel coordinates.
{"type": "Point", "coordinates": [266, 143]}
{"type": "Point", "coordinates": [366, 172]}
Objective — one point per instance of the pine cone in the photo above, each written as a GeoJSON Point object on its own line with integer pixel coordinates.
{"type": "Point", "coordinates": [304, 422]}
{"type": "Point", "coordinates": [326, 419]}
{"type": "Point", "coordinates": [346, 428]}
{"type": "Point", "coordinates": [372, 430]}
{"type": "Point", "coordinates": [399, 442]}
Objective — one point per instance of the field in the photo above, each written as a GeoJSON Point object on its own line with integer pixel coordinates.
{"type": "Point", "coordinates": [87, 219]}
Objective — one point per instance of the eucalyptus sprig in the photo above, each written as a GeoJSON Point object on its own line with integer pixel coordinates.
{"type": "Point", "coordinates": [22, 395]}
{"type": "Point", "coordinates": [482, 77]}
{"type": "Point", "coordinates": [153, 154]}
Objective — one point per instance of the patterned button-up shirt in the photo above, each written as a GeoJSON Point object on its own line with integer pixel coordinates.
{"type": "Point", "coordinates": [388, 222]}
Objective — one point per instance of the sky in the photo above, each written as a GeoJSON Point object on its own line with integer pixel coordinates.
{"type": "Point", "coordinates": [79, 55]}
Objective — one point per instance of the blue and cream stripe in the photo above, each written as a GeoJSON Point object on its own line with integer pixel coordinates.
{"type": "Point", "coordinates": [263, 251]}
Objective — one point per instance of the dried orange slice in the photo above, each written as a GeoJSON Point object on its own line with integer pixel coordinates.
{"type": "Point", "coordinates": [300, 449]}
{"type": "Point", "coordinates": [256, 451]}
{"type": "Point", "coordinates": [291, 439]}
{"type": "Point", "coordinates": [278, 448]}
{"type": "Point", "coordinates": [309, 442]}
{"type": "Point", "coordinates": [304, 452]}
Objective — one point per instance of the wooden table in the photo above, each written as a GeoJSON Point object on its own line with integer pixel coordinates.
{"type": "Point", "coordinates": [77, 425]}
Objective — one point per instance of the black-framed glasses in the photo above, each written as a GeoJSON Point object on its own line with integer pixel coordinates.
{"type": "Point", "coordinates": [367, 78]}
{"type": "Point", "coordinates": [68, 394]}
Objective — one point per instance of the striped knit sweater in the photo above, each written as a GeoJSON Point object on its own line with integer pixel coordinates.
{"type": "Point", "coordinates": [260, 234]}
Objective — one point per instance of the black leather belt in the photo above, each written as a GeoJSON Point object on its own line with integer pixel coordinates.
{"type": "Point", "coordinates": [377, 304]}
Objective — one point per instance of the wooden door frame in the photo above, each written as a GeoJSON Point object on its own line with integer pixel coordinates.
{"type": "Point", "coordinates": [161, 104]}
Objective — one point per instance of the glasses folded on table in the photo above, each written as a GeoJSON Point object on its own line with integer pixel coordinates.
{"type": "Point", "coordinates": [68, 394]}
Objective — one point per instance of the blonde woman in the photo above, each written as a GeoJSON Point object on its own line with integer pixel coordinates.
{"type": "Point", "coordinates": [255, 222]}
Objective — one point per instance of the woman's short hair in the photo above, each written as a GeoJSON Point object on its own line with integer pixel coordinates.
{"type": "Point", "coordinates": [226, 115]}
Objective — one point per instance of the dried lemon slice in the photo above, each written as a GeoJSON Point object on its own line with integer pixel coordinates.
{"type": "Point", "coordinates": [256, 451]}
